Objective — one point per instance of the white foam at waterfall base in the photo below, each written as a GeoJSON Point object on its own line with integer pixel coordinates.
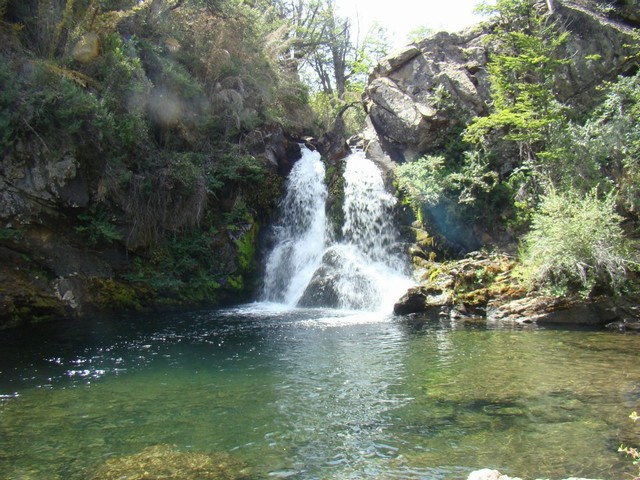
{"type": "Point", "coordinates": [365, 271]}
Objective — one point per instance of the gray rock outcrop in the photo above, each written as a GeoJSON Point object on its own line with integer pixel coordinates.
{"type": "Point", "coordinates": [419, 96]}
{"type": "Point", "coordinates": [334, 286]}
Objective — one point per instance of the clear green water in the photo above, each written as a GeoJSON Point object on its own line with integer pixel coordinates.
{"type": "Point", "coordinates": [318, 395]}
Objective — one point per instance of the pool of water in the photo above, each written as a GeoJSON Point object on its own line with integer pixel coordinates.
{"type": "Point", "coordinates": [312, 394]}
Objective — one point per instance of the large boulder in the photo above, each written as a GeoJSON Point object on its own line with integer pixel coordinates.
{"type": "Point", "coordinates": [410, 90]}
{"type": "Point", "coordinates": [340, 282]}
{"type": "Point", "coordinates": [423, 299]}
{"type": "Point", "coordinates": [618, 312]}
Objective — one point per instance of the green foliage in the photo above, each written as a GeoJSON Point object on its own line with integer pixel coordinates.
{"type": "Point", "coordinates": [186, 170]}
{"type": "Point", "coordinates": [46, 104]}
{"type": "Point", "coordinates": [9, 97]}
{"type": "Point", "coordinates": [183, 266]}
{"type": "Point", "coordinates": [238, 215]}
{"type": "Point", "coordinates": [527, 167]}
{"type": "Point", "coordinates": [327, 108]}
{"type": "Point", "coordinates": [109, 294]}
{"type": "Point", "coordinates": [616, 137]}
{"type": "Point", "coordinates": [524, 107]}
{"type": "Point", "coordinates": [334, 62]}
{"type": "Point", "coordinates": [232, 168]}
{"type": "Point", "coordinates": [429, 180]}
{"type": "Point", "coordinates": [419, 33]}
{"type": "Point", "coordinates": [603, 151]}
{"type": "Point", "coordinates": [11, 234]}
{"type": "Point", "coordinates": [203, 265]}
{"type": "Point", "coordinates": [576, 243]}
{"type": "Point", "coordinates": [97, 226]}
{"type": "Point", "coordinates": [119, 71]}
{"type": "Point", "coordinates": [474, 180]}
{"type": "Point", "coordinates": [246, 245]}
{"type": "Point", "coordinates": [423, 181]}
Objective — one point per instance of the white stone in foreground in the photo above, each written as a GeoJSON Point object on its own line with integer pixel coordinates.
{"type": "Point", "coordinates": [488, 474]}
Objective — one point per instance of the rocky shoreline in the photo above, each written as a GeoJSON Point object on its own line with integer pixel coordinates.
{"type": "Point", "coordinates": [483, 287]}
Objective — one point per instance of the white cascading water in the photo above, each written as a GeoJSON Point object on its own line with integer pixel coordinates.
{"type": "Point", "coordinates": [370, 243]}
{"type": "Point", "coordinates": [301, 232]}
{"type": "Point", "coordinates": [365, 271]}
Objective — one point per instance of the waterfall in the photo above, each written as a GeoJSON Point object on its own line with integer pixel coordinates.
{"type": "Point", "coordinates": [368, 211]}
{"type": "Point", "coordinates": [300, 233]}
{"type": "Point", "coordinates": [365, 270]}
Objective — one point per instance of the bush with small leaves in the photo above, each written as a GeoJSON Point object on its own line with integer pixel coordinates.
{"type": "Point", "coordinates": [576, 243]}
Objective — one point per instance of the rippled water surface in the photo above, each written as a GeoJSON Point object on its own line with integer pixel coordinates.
{"type": "Point", "coordinates": [308, 394]}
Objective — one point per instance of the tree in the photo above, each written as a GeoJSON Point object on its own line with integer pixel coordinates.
{"type": "Point", "coordinates": [321, 46]}
{"type": "Point", "coordinates": [521, 70]}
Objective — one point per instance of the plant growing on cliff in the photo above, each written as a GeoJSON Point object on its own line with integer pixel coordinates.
{"type": "Point", "coordinates": [97, 226]}
{"type": "Point", "coordinates": [576, 243]}
{"type": "Point", "coordinates": [522, 67]}
{"type": "Point", "coordinates": [423, 181]}
{"type": "Point", "coordinates": [614, 139]}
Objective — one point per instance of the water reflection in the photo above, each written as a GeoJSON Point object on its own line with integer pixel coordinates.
{"type": "Point", "coordinates": [319, 394]}
{"type": "Point", "coordinates": [335, 396]}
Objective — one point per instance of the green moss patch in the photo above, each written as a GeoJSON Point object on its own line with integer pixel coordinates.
{"type": "Point", "coordinates": [163, 462]}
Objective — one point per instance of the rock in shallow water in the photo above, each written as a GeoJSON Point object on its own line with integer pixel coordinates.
{"type": "Point", "coordinates": [488, 474]}
{"type": "Point", "coordinates": [422, 299]}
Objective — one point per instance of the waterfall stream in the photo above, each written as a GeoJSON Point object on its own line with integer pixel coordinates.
{"type": "Point", "coordinates": [301, 232]}
{"type": "Point", "coordinates": [363, 271]}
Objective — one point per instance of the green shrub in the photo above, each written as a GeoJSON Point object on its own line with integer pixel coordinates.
{"type": "Point", "coordinates": [98, 227]}
{"type": "Point", "coordinates": [234, 168]}
{"type": "Point", "coordinates": [423, 181]}
{"type": "Point", "coordinates": [184, 266]}
{"type": "Point", "coordinates": [576, 243]}
{"type": "Point", "coordinates": [460, 188]}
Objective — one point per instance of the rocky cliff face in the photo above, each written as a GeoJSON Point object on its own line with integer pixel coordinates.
{"type": "Point", "coordinates": [55, 263]}
{"type": "Point", "coordinates": [419, 97]}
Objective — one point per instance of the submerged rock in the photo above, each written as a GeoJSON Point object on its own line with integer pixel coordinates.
{"type": "Point", "coordinates": [164, 462]}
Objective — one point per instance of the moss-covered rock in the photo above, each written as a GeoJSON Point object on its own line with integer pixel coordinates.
{"type": "Point", "coordinates": [466, 285]}
{"type": "Point", "coordinates": [113, 295]}
{"type": "Point", "coordinates": [163, 462]}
